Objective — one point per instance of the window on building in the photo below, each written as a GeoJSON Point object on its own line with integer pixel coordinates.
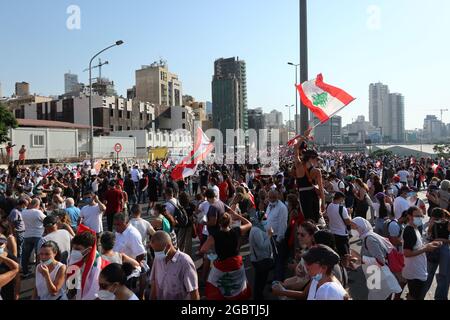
{"type": "Point", "coordinates": [141, 116]}
{"type": "Point", "coordinates": [38, 140]}
{"type": "Point", "coordinates": [184, 126]}
{"type": "Point", "coordinates": [120, 113]}
{"type": "Point", "coordinates": [128, 114]}
{"type": "Point", "coordinates": [164, 138]}
{"type": "Point", "coordinates": [111, 112]}
{"type": "Point", "coordinates": [183, 115]}
{"type": "Point", "coordinates": [120, 128]}
{"type": "Point", "coordinates": [111, 128]}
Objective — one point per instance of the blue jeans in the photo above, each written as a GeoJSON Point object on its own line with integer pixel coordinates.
{"type": "Point", "coordinates": [28, 245]}
{"type": "Point", "coordinates": [19, 240]}
{"type": "Point", "coordinates": [443, 277]}
{"type": "Point", "coordinates": [379, 226]}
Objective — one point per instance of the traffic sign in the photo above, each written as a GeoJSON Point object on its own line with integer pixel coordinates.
{"type": "Point", "coordinates": [118, 148]}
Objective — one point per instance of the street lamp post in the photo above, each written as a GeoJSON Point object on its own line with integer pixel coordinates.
{"type": "Point", "coordinates": [296, 93]}
{"type": "Point", "coordinates": [91, 121]}
{"type": "Point", "coordinates": [289, 126]}
{"type": "Point", "coordinates": [304, 113]}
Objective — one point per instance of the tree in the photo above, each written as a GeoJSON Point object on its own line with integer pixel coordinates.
{"type": "Point", "coordinates": [7, 121]}
{"type": "Point", "coordinates": [381, 153]}
{"type": "Point", "coordinates": [443, 150]}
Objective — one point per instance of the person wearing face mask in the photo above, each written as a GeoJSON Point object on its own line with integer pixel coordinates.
{"type": "Point", "coordinates": [319, 263]}
{"type": "Point", "coordinates": [439, 230]}
{"type": "Point", "coordinates": [261, 254]}
{"type": "Point", "coordinates": [415, 201]}
{"type": "Point", "coordinates": [433, 198]}
{"type": "Point", "coordinates": [295, 285]}
{"type": "Point", "coordinates": [112, 283]}
{"type": "Point", "coordinates": [415, 270]}
{"type": "Point", "coordinates": [50, 274]}
{"type": "Point", "coordinates": [374, 257]}
{"type": "Point", "coordinates": [84, 265]}
{"type": "Point", "coordinates": [401, 203]}
{"type": "Point", "coordinates": [170, 261]}
{"type": "Point", "coordinates": [277, 218]}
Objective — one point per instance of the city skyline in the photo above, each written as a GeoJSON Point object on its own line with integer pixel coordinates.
{"type": "Point", "coordinates": [363, 51]}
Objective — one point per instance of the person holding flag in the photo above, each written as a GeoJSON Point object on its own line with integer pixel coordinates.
{"type": "Point", "coordinates": [84, 266]}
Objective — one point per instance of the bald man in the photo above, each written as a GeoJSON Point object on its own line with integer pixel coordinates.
{"type": "Point", "coordinates": [173, 275]}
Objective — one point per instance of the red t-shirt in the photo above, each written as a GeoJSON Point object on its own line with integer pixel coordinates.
{"type": "Point", "coordinates": [223, 191]}
{"type": "Point", "coordinates": [114, 201]}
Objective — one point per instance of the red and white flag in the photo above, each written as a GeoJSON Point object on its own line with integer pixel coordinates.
{"type": "Point", "coordinates": [188, 167]}
{"type": "Point", "coordinates": [323, 99]}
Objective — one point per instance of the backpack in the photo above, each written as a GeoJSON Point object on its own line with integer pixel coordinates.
{"type": "Point", "coordinates": [395, 259]}
{"type": "Point", "coordinates": [180, 215]}
{"type": "Point", "coordinates": [386, 225]}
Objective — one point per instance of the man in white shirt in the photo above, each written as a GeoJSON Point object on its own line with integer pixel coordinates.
{"type": "Point", "coordinates": [61, 237]}
{"type": "Point", "coordinates": [128, 239]}
{"type": "Point", "coordinates": [136, 175]}
{"type": "Point", "coordinates": [143, 226]}
{"type": "Point", "coordinates": [92, 214]}
{"type": "Point", "coordinates": [338, 220]}
{"type": "Point", "coordinates": [403, 174]}
{"type": "Point", "coordinates": [338, 185]}
{"type": "Point", "coordinates": [277, 216]}
{"type": "Point", "coordinates": [33, 219]}
{"type": "Point", "coordinates": [170, 201]}
{"type": "Point", "coordinates": [401, 203]}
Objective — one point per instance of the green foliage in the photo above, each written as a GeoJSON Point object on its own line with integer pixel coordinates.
{"type": "Point", "coordinates": [381, 153]}
{"type": "Point", "coordinates": [443, 150]}
{"type": "Point", "coordinates": [7, 121]}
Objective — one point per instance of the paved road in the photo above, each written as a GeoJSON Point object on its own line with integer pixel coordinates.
{"type": "Point", "coordinates": [357, 287]}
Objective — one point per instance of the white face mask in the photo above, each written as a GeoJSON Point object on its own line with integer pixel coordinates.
{"type": "Point", "coordinates": [160, 254]}
{"type": "Point", "coordinates": [75, 256]}
{"type": "Point", "coordinates": [106, 295]}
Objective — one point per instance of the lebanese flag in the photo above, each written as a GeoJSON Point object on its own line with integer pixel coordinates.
{"type": "Point", "coordinates": [88, 271]}
{"type": "Point", "coordinates": [188, 166]}
{"type": "Point", "coordinates": [227, 281]}
{"type": "Point", "coordinates": [323, 99]}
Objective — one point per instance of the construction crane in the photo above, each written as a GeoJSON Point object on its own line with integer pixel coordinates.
{"type": "Point", "coordinates": [99, 66]}
{"type": "Point", "coordinates": [442, 112]}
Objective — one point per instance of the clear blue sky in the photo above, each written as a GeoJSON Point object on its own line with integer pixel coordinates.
{"type": "Point", "coordinates": [408, 49]}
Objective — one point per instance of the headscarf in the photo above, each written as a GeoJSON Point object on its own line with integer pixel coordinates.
{"type": "Point", "coordinates": [365, 229]}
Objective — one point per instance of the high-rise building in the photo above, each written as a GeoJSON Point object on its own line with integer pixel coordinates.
{"type": "Point", "coordinates": [155, 84]}
{"type": "Point", "coordinates": [256, 119]}
{"type": "Point", "coordinates": [432, 129]}
{"type": "Point", "coordinates": [397, 105]}
{"type": "Point", "coordinates": [229, 95]}
{"type": "Point", "coordinates": [329, 132]}
{"type": "Point", "coordinates": [104, 87]}
{"type": "Point", "coordinates": [274, 119]}
{"type": "Point", "coordinates": [387, 111]}
{"type": "Point", "coordinates": [71, 83]}
{"type": "Point", "coordinates": [22, 89]}
{"type": "Point", "coordinates": [208, 107]}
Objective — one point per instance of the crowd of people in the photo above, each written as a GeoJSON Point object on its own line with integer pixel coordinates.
{"type": "Point", "coordinates": [133, 233]}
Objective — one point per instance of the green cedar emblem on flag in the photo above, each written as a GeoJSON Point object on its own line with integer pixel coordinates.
{"type": "Point", "coordinates": [320, 99]}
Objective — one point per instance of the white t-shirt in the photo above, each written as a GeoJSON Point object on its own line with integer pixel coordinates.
{"type": "Point", "coordinates": [129, 242]}
{"type": "Point", "coordinates": [144, 227]}
{"type": "Point", "coordinates": [33, 220]}
{"type": "Point", "coordinates": [403, 174]}
{"type": "Point", "coordinates": [136, 175]}
{"type": "Point", "coordinates": [170, 207]}
{"type": "Point", "coordinates": [337, 226]}
{"type": "Point", "coordinates": [327, 291]}
{"type": "Point", "coordinates": [92, 217]}
{"type": "Point", "coordinates": [337, 185]}
{"type": "Point", "coordinates": [400, 205]}
{"type": "Point", "coordinates": [62, 239]}
{"type": "Point", "coordinates": [201, 217]}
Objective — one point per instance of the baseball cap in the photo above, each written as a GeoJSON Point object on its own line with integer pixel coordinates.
{"type": "Point", "coordinates": [49, 221]}
{"type": "Point", "coordinates": [396, 178]}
